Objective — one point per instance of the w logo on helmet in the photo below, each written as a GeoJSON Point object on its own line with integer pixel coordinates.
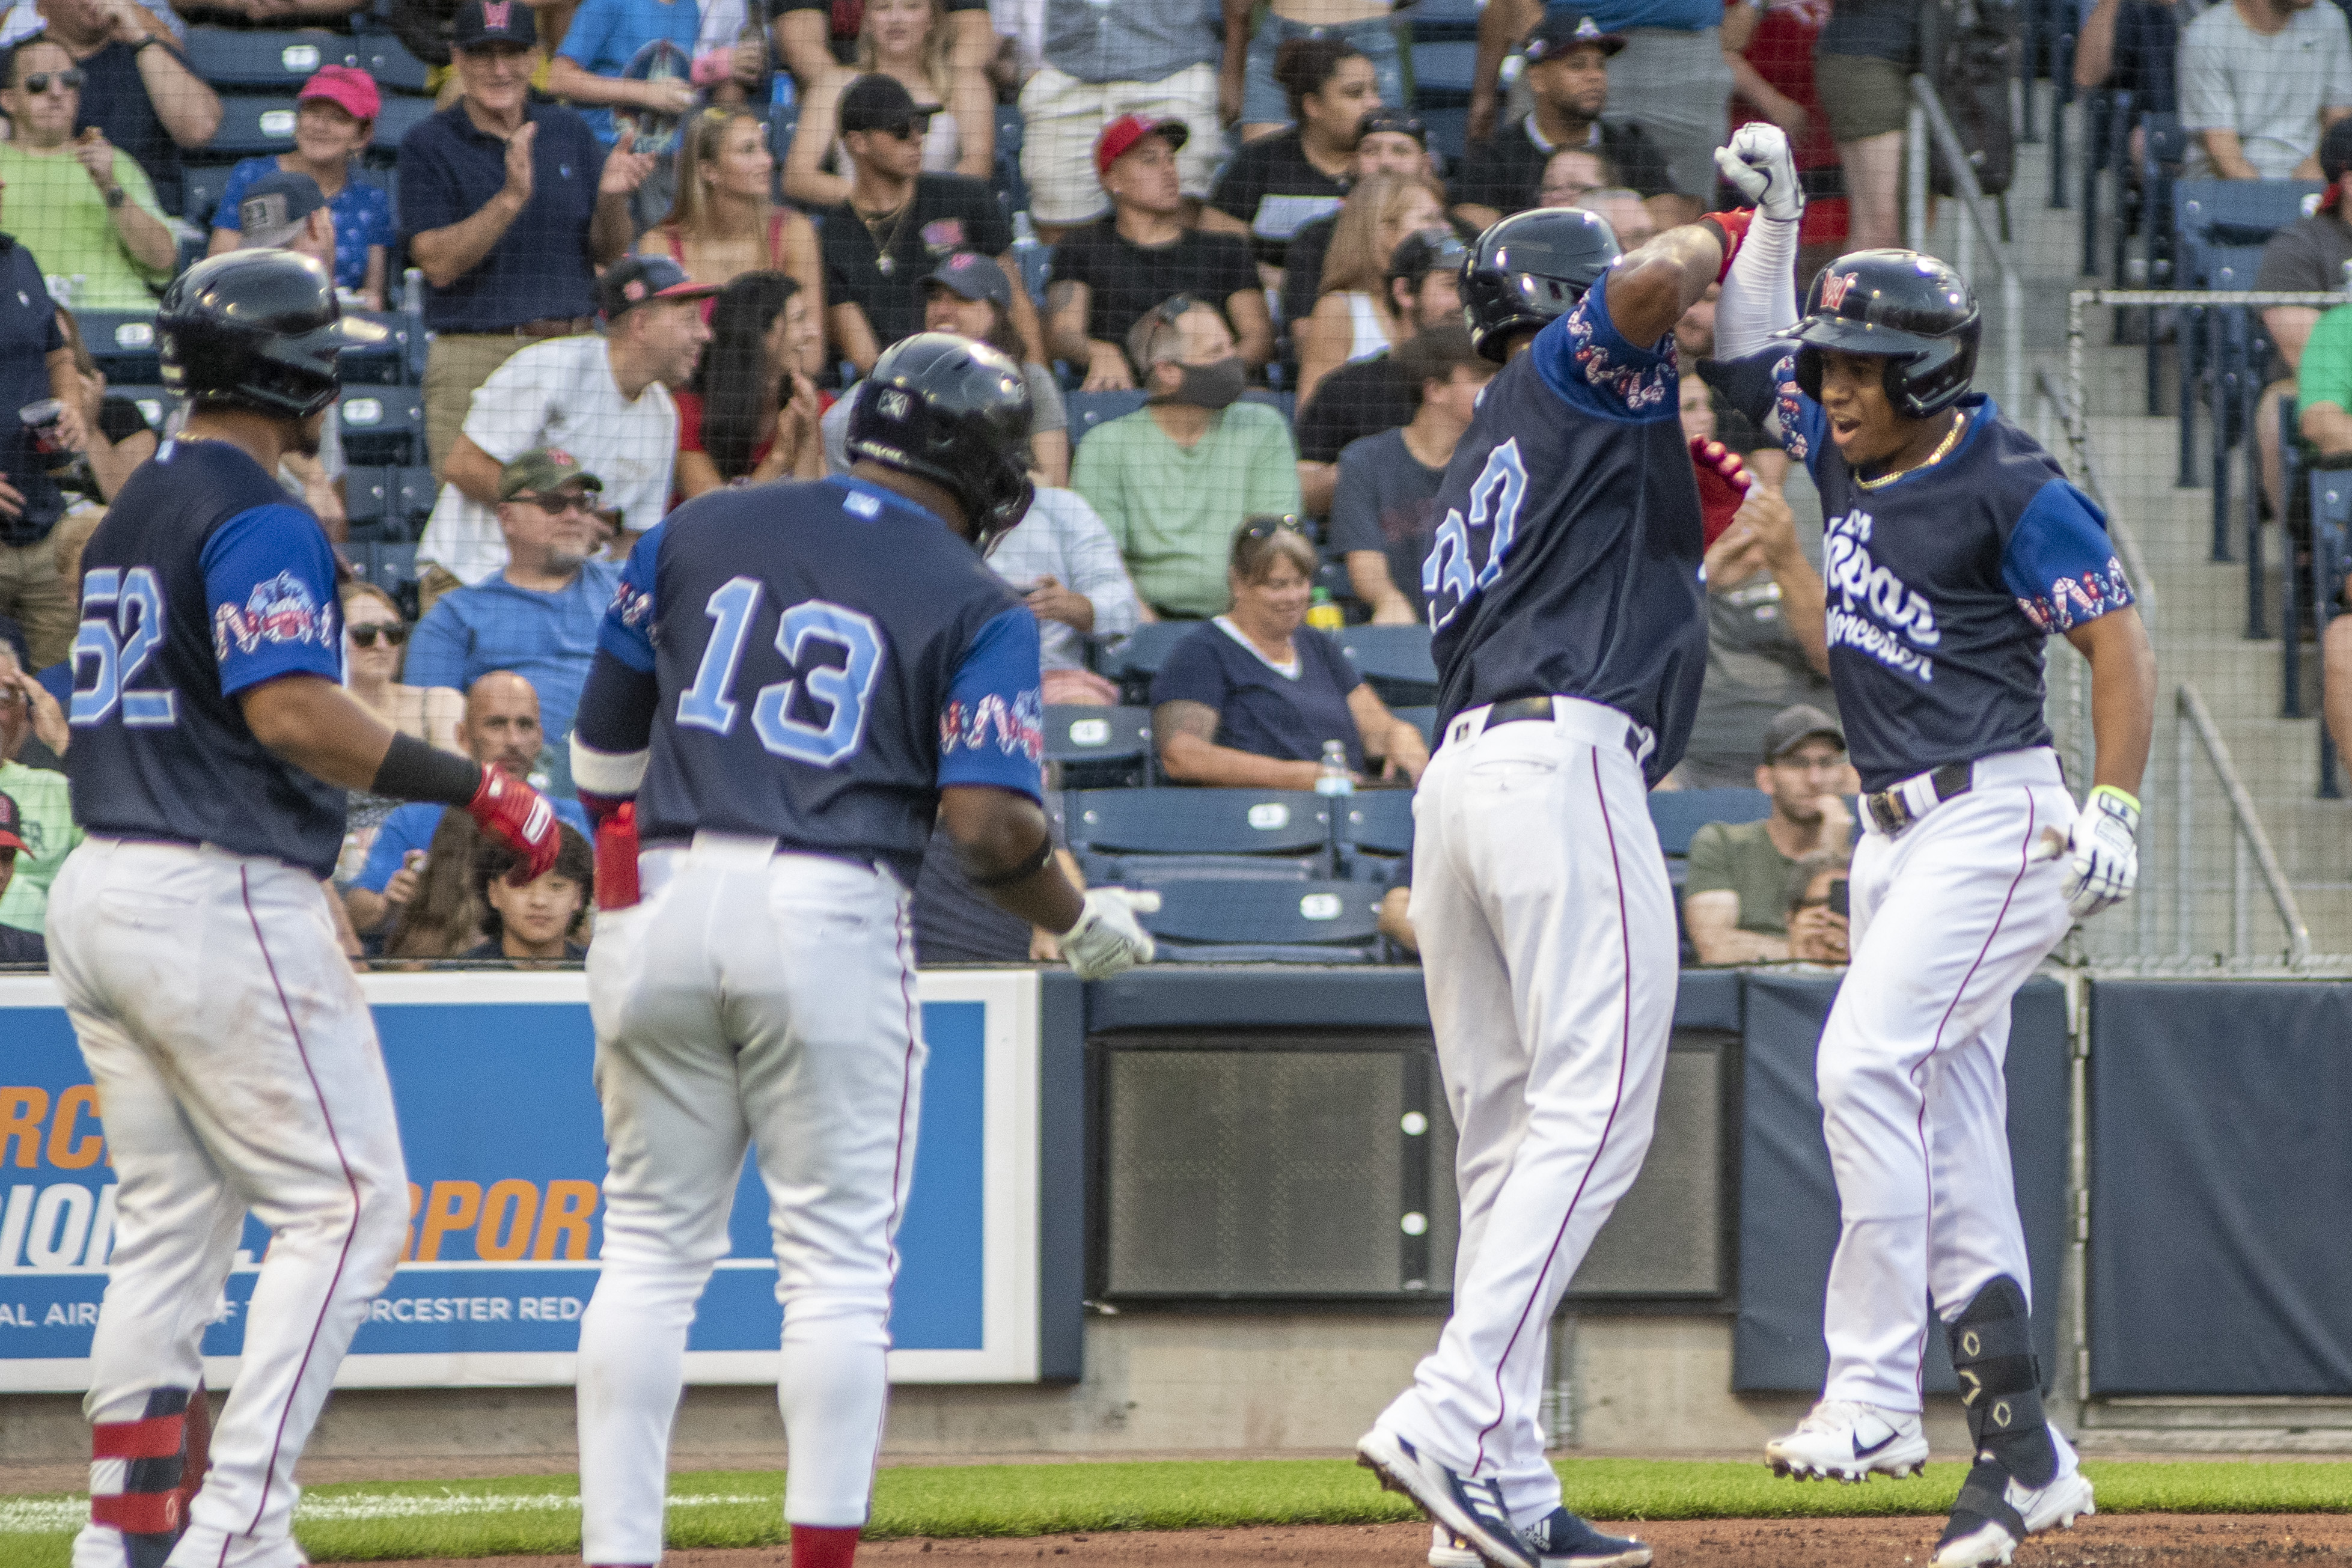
{"type": "Point", "coordinates": [893, 404]}
{"type": "Point", "coordinates": [1833, 288]}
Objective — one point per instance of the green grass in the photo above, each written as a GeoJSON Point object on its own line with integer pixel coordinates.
{"type": "Point", "coordinates": [742, 1508]}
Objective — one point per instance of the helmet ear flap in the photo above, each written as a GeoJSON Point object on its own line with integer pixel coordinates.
{"type": "Point", "coordinates": [1808, 371]}
{"type": "Point", "coordinates": [1930, 381]}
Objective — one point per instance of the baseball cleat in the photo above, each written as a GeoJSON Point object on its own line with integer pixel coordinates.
{"type": "Point", "coordinates": [2037, 1509]}
{"type": "Point", "coordinates": [1563, 1540]}
{"type": "Point", "coordinates": [1447, 1549]}
{"type": "Point", "coordinates": [1851, 1441]}
{"type": "Point", "coordinates": [1471, 1509]}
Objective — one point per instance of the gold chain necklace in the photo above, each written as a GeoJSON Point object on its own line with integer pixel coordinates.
{"type": "Point", "coordinates": [1943, 450]}
{"type": "Point", "coordinates": [883, 262]}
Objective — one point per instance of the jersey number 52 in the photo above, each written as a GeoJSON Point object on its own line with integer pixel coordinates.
{"type": "Point", "coordinates": [1452, 575]}
{"type": "Point", "coordinates": [835, 651]}
{"type": "Point", "coordinates": [122, 628]}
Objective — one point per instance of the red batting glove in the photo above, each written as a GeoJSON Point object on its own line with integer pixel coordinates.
{"type": "Point", "coordinates": [1731, 227]}
{"type": "Point", "coordinates": [616, 849]}
{"type": "Point", "coordinates": [1707, 452]}
{"type": "Point", "coordinates": [518, 816]}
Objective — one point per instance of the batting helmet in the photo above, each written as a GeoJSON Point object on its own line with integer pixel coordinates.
{"type": "Point", "coordinates": [1910, 310]}
{"type": "Point", "coordinates": [956, 412]}
{"type": "Point", "coordinates": [1528, 269]}
{"type": "Point", "coordinates": [257, 329]}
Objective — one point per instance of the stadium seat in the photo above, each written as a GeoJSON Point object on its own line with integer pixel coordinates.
{"type": "Point", "coordinates": [393, 502]}
{"type": "Point", "coordinates": [1678, 813]}
{"type": "Point", "coordinates": [123, 344]}
{"type": "Point", "coordinates": [1087, 410]}
{"type": "Point", "coordinates": [1442, 73]}
{"type": "Point", "coordinates": [1232, 922]}
{"type": "Point", "coordinates": [1100, 748]}
{"type": "Point", "coordinates": [200, 189]}
{"type": "Point", "coordinates": [1124, 824]}
{"type": "Point", "coordinates": [1037, 260]}
{"type": "Point", "coordinates": [398, 361]}
{"type": "Point", "coordinates": [1134, 662]}
{"type": "Point", "coordinates": [400, 116]}
{"type": "Point", "coordinates": [252, 125]}
{"type": "Point", "coordinates": [1395, 659]}
{"type": "Point", "coordinates": [2331, 554]}
{"type": "Point", "coordinates": [1449, 133]}
{"type": "Point", "coordinates": [1423, 720]}
{"type": "Point", "coordinates": [390, 566]}
{"type": "Point", "coordinates": [1375, 834]}
{"type": "Point", "coordinates": [1445, 21]}
{"type": "Point", "coordinates": [2163, 149]}
{"type": "Point", "coordinates": [382, 425]}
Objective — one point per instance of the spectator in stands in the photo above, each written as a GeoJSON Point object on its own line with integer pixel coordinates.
{"type": "Point", "coordinates": [501, 730]}
{"type": "Point", "coordinates": [1065, 562]}
{"type": "Point", "coordinates": [1353, 317]}
{"type": "Point", "coordinates": [373, 632]}
{"type": "Point", "coordinates": [725, 221]}
{"type": "Point", "coordinates": [589, 67]}
{"type": "Point", "coordinates": [1371, 395]}
{"type": "Point", "coordinates": [542, 920]}
{"type": "Point", "coordinates": [1571, 174]}
{"type": "Point", "coordinates": [29, 719]}
{"type": "Point", "coordinates": [1277, 183]}
{"type": "Point", "coordinates": [1672, 83]}
{"type": "Point", "coordinates": [1736, 900]}
{"type": "Point", "coordinates": [2324, 406]}
{"type": "Point", "coordinates": [136, 90]}
{"type": "Point", "coordinates": [954, 923]}
{"type": "Point", "coordinates": [284, 209]}
{"type": "Point", "coordinates": [16, 946]}
{"type": "Point", "coordinates": [605, 398]}
{"type": "Point", "coordinates": [1568, 76]}
{"type": "Point", "coordinates": [1862, 63]}
{"type": "Point", "coordinates": [436, 913]}
{"type": "Point", "coordinates": [85, 206]}
{"type": "Point", "coordinates": [1769, 48]}
{"type": "Point", "coordinates": [1627, 214]}
{"type": "Point", "coordinates": [749, 415]}
{"type": "Point", "coordinates": [2309, 255]}
{"type": "Point", "coordinates": [1172, 479]}
{"type": "Point", "coordinates": [816, 35]}
{"type": "Point", "coordinates": [508, 206]}
{"type": "Point", "coordinates": [2131, 46]}
{"type": "Point", "coordinates": [1388, 141]}
{"type": "Point", "coordinates": [35, 365]}
{"type": "Point", "coordinates": [1384, 514]}
{"type": "Point", "coordinates": [1249, 86]}
{"type": "Point", "coordinates": [1251, 699]}
{"type": "Point", "coordinates": [539, 616]}
{"type": "Point", "coordinates": [1766, 641]}
{"type": "Point", "coordinates": [2260, 80]}
{"type": "Point", "coordinates": [912, 42]}
{"type": "Point", "coordinates": [1110, 272]}
{"type": "Point", "coordinates": [116, 437]}
{"type": "Point", "coordinates": [1156, 58]}
{"type": "Point", "coordinates": [882, 242]}
{"type": "Point", "coordinates": [1816, 926]}
{"type": "Point", "coordinates": [334, 116]}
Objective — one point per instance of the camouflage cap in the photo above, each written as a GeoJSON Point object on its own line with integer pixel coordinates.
{"type": "Point", "coordinates": [543, 469]}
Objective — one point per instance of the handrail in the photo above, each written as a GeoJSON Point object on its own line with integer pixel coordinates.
{"type": "Point", "coordinates": [1927, 114]}
{"type": "Point", "coordinates": [2248, 838]}
{"type": "Point", "coordinates": [2119, 530]}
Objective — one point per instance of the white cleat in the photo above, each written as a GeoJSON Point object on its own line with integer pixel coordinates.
{"type": "Point", "coordinates": [2055, 1507]}
{"type": "Point", "coordinates": [1447, 1549]}
{"type": "Point", "coordinates": [1851, 1441]}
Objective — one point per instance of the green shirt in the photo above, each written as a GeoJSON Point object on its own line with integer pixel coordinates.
{"type": "Point", "coordinates": [45, 808]}
{"type": "Point", "coordinates": [57, 213]}
{"type": "Point", "coordinates": [1174, 512]}
{"type": "Point", "coordinates": [1740, 858]}
{"type": "Point", "coordinates": [2325, 375]}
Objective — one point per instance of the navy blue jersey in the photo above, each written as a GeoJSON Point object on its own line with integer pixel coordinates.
{"type": "Point", "coordinates": [814, 662]}
{"type": "Point", "coordinates": [1568, 547]}
{"type": "Point", "coordinates": [205, 580]}
{"type": "Point", "coordinates": [1943, 583]}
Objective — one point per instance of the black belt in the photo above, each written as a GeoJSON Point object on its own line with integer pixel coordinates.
{"type": "Point", "coordinates": [1518, 710]}
{"type": "Point", "coordinates": [1892, 813]}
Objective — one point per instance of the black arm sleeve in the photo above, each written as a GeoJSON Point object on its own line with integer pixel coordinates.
{"type": "Point", "coordinates": [1745, 384]}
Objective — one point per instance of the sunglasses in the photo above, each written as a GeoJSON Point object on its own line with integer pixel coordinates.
{"type": "Point", "coordinates": [38, 82]}
{"type": "Point", "coordinates": [556, 505]}
{"type": "Point", "coordinates": [1266, 527]}
{"type": "Point", "coordinates": [364, 636]}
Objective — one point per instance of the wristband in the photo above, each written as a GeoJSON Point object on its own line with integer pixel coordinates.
{"type": "Point", "coordinates": [1030, 865]}
{"type": "Point", "coordinates": [1731, 228]}
{"type": "Point", "coordinates": [412, 770]}
{"type": "Point", "coordinates": [2126, 796]}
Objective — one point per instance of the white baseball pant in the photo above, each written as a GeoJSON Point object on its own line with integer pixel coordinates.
{"type": "Point", "coordinates": [762, 999]}
{"type": "Point", "coordinates": [1949, 919]}
{"type": "Point", "coordinates": [1546, 930]}
{"type": "Point", "coordinates": [237, 1067]}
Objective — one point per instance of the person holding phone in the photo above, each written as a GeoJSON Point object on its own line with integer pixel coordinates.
{"type": "Point", "coordinates": [1735, 903]}
{"type": "Point", "coordinates": [1817, 908]}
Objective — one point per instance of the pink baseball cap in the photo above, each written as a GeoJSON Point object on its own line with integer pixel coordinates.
{"type": "Point", "coordinates": [346, 87]}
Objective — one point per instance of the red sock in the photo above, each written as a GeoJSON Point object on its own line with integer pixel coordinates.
{"type": "Point", "coordinates": [820, 1546]}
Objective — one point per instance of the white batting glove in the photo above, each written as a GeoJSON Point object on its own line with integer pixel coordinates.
{"type": "Point", "coordinates": [1108, 939]}
{"type": "Point", "coordinates": [1759, 166]}
{"type": "Point", "coordinates": [2105, 846]}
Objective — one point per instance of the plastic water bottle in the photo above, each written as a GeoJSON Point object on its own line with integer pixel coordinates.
{"type": "Point", "coordinates": [1322, 613]}
{"type": "Point", "coordinates": [411, 291]}
{"type": "Point", "coordinates": [1334, 778]}
{"type": "Point", "coordinates": [782, 95]}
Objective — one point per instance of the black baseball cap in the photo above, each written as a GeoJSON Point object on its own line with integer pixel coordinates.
{"type": "Point", "coordinates": [634, 280]}
{"type": "Point", "coordinates": [974, 277]}
{"type": "Point", "coordinates": [1396, 122]}
{"type": "Point", "coordinates": [1561, 31]}
{"type": "Point", "coordinates": [1424, 251]}
{"type": "Point", "coordinates": [1800, 723]}
{"type": "Point", "coordinates": [482, 23]}
{"type": "Point", "coordinates": [877, 102]}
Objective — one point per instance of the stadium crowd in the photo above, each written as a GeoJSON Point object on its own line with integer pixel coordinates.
{"type": "Point", "coordinates": [635, 250]}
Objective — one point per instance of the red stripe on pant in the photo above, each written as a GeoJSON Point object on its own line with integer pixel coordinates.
{"type": "Point", "coordinates": [142, 1512]}
{"type": "Point", "coordinates": [157, 1437]}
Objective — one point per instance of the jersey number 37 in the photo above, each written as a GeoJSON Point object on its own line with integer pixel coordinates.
{"type": "Point", "coordinates": [1452, 574]}
{"type": "Point", "coordinates": [836, 654]}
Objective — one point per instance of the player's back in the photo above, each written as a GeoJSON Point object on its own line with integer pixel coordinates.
{"type": "Point", "coordinates": [205, 578]}
{"type": "Point", "coordinates": [1568, 549]}
{"type": "Point", "coordinates": [820, 646]}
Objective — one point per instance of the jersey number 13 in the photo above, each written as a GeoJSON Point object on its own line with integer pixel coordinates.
{"type": "Point", "coordinates": [836, 654]}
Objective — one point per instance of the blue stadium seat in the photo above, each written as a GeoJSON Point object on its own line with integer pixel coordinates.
{"type": "Point", "coordinates": [1442, 73]}
{"type": "Point", "coordinates": [393, 501]}
{"type": "Point", "coordinates": [1231, 922]}
{"type": "Point", "coordinates": [1036, 267]}
{"type": "Point", "coordinates": [1100, 748]}
{"type": "Point", "coordinates": [2331, 555]}
{"type": "Point", "coordinates": [398, 361]}
{"type": "Point", "coordinates": [1375, 834]}
{"type": "Point", "coordinates": [1443, 21]}
{"type": "Point", "coordinates": [123, 344]}
{"type": "Point", "coordinates": [1134, 662]}
{"type": "Point", "coordinates": [1395, 659]}
{"type": "Point", "coordinates": [1087, 410]}
{"type": "Point", "coordinates": [200, 188]}
{"type": "Point", "coordinates": [2164, 143]}
{"type": "Point", "coordinates": [1423, 720]}
{"type": "Point", "coordinates": [1127, 823]}
{"type": "Point", "coordinates": [1678, 813]}
{"type": "Point", "coordinates": [252, 125]}
{"type": "Point", "coordinates": [400, 116]}
{"type": "Point", "coordinates": [386, 60]}
{"type": "Point", "coordinates": [230, 60]}
{"type": "Point", "coordinates": [1449, 133]}
{"type": "Point", "coordinates": [382, 425]}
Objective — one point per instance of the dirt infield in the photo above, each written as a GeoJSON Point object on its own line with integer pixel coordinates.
{"type": "Point", "coordinates": [2133, 1541]}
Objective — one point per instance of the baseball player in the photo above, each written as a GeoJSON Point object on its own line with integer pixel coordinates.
{"type": "Point", "coordinates": [794, 682]}
{"type": "Point", "coordinates": [1565, 594]}
{"type": "Point", "coordinates": [1954, 546]}
{"type": "Point", "coordinates": [234, 1056]}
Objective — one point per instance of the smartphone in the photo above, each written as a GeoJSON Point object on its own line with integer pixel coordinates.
{"type": "Point", "coordinates": [1838, 899]}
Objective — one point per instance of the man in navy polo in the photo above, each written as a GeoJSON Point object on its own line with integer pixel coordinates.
{"type": "Point", "coordinates": [508, 207]}
{"type": "Point", "coordinates": [35, 365]}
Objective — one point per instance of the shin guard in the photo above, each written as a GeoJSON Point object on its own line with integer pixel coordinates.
{"type": "Point", "coordinates": [163, 1456]}
{"type": "Point", "coordinates": [2000, 1385]}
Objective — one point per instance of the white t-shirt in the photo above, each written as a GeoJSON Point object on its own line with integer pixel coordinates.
{"type": "Point", "coordinates": [2267, 88]}
{"type": "Point", "coordinates": [558, 393]}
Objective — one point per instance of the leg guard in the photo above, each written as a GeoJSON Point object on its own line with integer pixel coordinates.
{"type": "Point", "coordinates": [2000, 1383]}
{"type": "Point", "coordinates": [161, 1469]}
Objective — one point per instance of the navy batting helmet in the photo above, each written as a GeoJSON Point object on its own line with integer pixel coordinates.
{"type": "Point", "coordinates": [1528, 269]}
{"type": "Point", "coordinates": [1911, 309]}
{"type": "Point", "coordinates": [956, 412]}
{"type": "Point", "coordinates": [257, 329]}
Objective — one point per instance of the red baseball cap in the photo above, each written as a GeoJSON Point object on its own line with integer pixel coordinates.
{"type": "Point", "coordinates": [346, 87]}
{"type": "Point", "coordinates": [1120, 137]}
{"type": "Point", "coordinates": [11, 824]}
